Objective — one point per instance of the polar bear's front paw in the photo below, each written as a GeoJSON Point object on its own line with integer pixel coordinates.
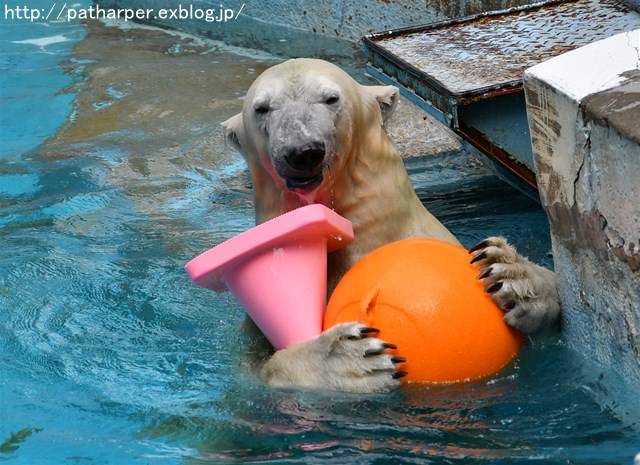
{"type": "Point", "coordinates": [344, 358]}
{"type": "Point", "coordinates": [524, 290]}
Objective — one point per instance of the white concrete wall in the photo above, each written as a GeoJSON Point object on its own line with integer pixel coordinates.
{"type": "Point", "coordinates": [584, 116]}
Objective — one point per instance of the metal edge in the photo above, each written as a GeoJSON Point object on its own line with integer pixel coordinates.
{"type": "Point", "coordinates": [498, 155]}
{"type": "Point", "coordinates": [414, 98]}
{"type": "Point", "coordinates": [482, 93]}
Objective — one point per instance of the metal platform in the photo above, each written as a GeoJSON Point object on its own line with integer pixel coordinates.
{"type": "Point", "coordinates": [468, 72]}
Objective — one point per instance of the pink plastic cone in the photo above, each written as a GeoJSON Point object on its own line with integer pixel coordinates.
{"type": "Point", "coordinates": [278, 271]}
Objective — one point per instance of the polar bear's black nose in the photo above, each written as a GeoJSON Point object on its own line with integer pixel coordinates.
{"type": "Point", "coordinates": [306, 158]}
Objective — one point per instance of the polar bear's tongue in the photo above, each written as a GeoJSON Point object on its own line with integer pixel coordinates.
{"type": "Point", "coordinates": [305, 190]}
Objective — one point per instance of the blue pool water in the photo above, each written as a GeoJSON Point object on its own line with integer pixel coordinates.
{"type": "Point", "coordinates": [109, 183]}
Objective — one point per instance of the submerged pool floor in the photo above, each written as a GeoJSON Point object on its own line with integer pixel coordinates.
{"type": "Point", "coordinates": [113, 176]}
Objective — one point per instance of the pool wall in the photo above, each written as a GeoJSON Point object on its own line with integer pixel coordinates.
{"type": "Point", "coordinates": [333, 27]}
{"type": "Point", "coordinates": [583, 114]}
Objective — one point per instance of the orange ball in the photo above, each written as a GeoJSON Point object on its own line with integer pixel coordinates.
{"type": "Point", "coordinates": [423, 296]}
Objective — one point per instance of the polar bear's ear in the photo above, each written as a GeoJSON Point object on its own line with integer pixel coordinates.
{"type": "Point", "coordinates": [387, 97]}
{"type": "Point", "coordinates": [231, 128]}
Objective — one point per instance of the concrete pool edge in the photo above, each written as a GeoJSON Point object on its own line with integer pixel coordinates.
{"type": "Point", "coordinates": [586, 149]}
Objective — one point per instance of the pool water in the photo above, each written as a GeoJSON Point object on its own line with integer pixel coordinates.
{"type": "Point", "coordinates": [113, 174]}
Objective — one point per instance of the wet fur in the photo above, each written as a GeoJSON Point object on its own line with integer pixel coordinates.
{"type": "Point", "coordinates": [304, 101]}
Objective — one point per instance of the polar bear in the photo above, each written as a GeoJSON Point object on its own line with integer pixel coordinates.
{"type": "Point", "coordinates": [311, 134]}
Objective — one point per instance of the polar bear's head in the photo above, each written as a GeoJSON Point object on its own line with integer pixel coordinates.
{"type": "Point", "coordinates": [301, 123]}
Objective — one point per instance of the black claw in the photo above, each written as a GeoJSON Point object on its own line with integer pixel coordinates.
{"type": "Point", "coordinates": [398, 359]}
{"type": "Point", "coordinates": [485, 273]}
{"type": "Point", "coordinates": [478, 257]}
{"type": "Point", "coordinates": [509, 306]}
{"type": "Point", "coordinates": [372, 352]}
{"type": "Point", "coordinates": [399, 374]}
{"type": "Point", "coordinates": [495, 287]}
{"type": "Point", "coordinates": [367, 331]}
{"type": "Point", "coordinates": [482, 245]}
{"type": "Point", "coordinates": [388, 345]}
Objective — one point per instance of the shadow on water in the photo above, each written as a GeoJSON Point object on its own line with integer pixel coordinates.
{"type": "Point", "coordinates": [109, 354]}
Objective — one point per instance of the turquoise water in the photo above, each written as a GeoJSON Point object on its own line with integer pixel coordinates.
{"type": "Point", "coordinates": [110, 355]}
{"type": "Point", "coordinates": [31, 78]}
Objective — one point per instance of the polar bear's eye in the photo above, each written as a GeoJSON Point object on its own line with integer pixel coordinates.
{"type": "Point", "coordinates": [262, 109]}
{"type": "Point", "coordinates": [331, 100]}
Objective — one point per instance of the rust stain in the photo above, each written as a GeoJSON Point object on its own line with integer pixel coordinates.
{"type": "Point", "coordinates": [498, 155]}
{"type": "Point", "coordinates": [618, 108]}
{"type": "Point", "coordinates": [632, 259]}
{"type": "Point", "coordinates": [578, 229]}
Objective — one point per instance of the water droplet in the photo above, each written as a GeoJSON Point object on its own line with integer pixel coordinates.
{"type": "Point", "coordinates": [331, 195]}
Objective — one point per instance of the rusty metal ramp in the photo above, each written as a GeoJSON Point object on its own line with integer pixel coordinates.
{"type": "Point", "coordinates": [468, 72]}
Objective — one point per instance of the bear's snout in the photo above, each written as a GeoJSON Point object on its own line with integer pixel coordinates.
{"type": "Point", "coordinates": [307, 158]}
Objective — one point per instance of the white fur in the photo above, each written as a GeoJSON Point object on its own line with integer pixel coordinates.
{"type": "Point", "coordinates": [363, 178]}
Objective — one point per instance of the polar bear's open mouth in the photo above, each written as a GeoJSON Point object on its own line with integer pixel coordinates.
{"type": "Point", "coordinates": [306, 184]}
{"type": "Point", "coordinates": [302, 167]}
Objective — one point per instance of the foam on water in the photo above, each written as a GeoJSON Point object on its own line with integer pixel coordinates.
{"type": "Point", "coordinates": [43, 41]}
